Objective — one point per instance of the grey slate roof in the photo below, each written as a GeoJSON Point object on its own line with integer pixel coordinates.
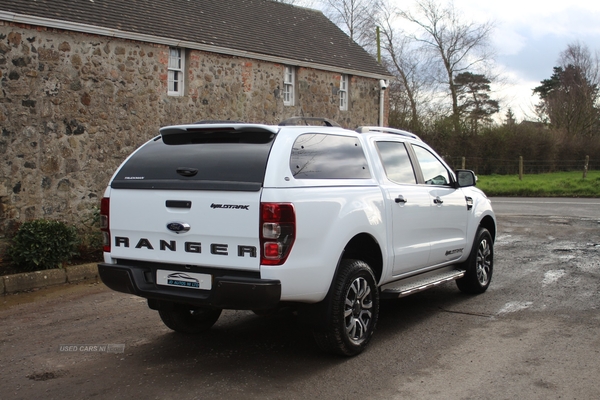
{"type": "Point", "coordinates": [256, 26]}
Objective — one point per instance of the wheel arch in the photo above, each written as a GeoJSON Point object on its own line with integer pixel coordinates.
{"type": "Point", "coordinates": [488, 223]}
{"type": "Point", "coordinates": [362, 246]}
{"type": "Point", "coordinates": [365, 247]}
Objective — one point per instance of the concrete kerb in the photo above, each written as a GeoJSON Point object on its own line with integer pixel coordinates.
{"type": "Point", "coordinates": [76, 273]}
{"type": "Point", "coordinates": [50, 277]}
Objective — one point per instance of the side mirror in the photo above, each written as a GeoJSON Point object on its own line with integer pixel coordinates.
{"type": "Point", "coordinates": [465, 178]}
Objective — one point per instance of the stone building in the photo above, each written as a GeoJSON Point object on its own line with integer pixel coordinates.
{"type": "Point", "coordinates": [84, 83]}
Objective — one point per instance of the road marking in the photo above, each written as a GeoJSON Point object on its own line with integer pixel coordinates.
{"type": "Point", "coordinates": [553, 276]}
{"type": "Point", "coordinates": [514, 306]}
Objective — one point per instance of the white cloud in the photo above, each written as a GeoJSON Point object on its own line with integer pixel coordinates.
{"type": "Point", "coordinates": [528, 39]}
{"type": "Point", "coordinates": [507, 41]}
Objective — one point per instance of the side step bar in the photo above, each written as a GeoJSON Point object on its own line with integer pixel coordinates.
{"type": "Point", "coordinates": [419, 283]}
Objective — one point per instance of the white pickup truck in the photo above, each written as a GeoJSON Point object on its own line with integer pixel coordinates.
{"type": "Point", "coordinates": [213, 216]}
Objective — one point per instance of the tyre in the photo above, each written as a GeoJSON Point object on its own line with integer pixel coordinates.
{"type": "Point", "coordinates": [186, 319]}
{"type": "Point", "coordinates": [352, 310]}
{"type": "Point", "coordinates": [480, 265]}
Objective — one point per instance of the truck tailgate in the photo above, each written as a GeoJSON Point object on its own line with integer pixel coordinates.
{"type": "Point", "coordinates": [201, 228]}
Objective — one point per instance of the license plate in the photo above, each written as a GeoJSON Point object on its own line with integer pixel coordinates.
{"type": "Point", "coordinates": [182, 279]}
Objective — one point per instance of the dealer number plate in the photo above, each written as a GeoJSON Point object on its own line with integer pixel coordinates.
{"type": "Point", "coordinates": [182, 279]}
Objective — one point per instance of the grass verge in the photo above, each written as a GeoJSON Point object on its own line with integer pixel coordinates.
{"type": "Point", "coordinates": [558, 184]}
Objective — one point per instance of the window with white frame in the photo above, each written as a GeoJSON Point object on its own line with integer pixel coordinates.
{"type": "Point", "coordinates": [176, 64]}
{"type": "Point", "coordinates": [344, 93]}
{"type": "Point", "coordinates": [288, 86]}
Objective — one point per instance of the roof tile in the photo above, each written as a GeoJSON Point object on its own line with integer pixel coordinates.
{"type": "Point", "coordinates": [257, 26]}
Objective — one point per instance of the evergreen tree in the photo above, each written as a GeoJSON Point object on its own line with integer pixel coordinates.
{"type": "Point", "coordinates": [476, 107]}
{"type": "Point", "coordinates": [568, 101]}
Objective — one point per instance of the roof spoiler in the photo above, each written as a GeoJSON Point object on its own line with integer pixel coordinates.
{"type": "Point", "coordinates": [199, 133]}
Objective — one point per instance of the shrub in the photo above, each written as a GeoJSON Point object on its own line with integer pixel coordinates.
{"type": "Point", "coordinates": [90, 238]}
{"type": "Point", "coordinates": [42, 244]}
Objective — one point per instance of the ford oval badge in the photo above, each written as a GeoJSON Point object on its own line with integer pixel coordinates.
{"type": "Point", "coordinates": [178, 227]}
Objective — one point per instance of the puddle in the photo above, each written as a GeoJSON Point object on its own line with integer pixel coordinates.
{"type": "Point", "coordinates": [506, 239]}
{"type": "Point", "coordinates": [559, 221]}
{"type": "Point", "coordinates": [44, 376]}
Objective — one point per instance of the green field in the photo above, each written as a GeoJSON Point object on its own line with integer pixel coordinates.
{"type": "Point", "coordinates": [558, 184]}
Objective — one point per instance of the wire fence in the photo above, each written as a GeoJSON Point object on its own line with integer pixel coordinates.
{"type": "Point", "coordinates": [487, 166]}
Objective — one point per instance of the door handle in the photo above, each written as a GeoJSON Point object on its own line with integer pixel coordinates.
{"type": "Point", "coordinates": [400, 199]}
{"type": "Point", "coordinates": [438, 201]}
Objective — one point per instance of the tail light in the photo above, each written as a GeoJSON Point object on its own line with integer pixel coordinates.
{"type": "Point", "coordinates": [105, 223]}
{"type": "Point", "coordinates": [277, 232]}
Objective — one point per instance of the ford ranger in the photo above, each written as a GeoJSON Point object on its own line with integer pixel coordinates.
{"type": "Point", "coordinates": [326, 220]}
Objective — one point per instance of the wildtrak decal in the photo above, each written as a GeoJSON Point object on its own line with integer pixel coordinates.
{"type": "Point", "coordinates": [455, 251]}
{"type": "Point", "coordinates": [230, 206]}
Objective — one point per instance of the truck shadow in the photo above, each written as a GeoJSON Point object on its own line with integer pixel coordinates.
{"type": "Point", "coordinates": [282, 341]}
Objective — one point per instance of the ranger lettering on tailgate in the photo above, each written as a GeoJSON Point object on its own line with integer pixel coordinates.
{"type": "Point", "coordinates": [189, 247]}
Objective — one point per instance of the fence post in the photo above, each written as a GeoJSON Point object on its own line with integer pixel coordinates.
{"type": "Point", "coordinates": [464, 162]}
{"type": "Point", "coordinates": [585, 167]}
{"type": "Point", "coordinates": [520, 168]}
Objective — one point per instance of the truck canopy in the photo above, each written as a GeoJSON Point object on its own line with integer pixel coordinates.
{"type": "Point", "coordinates": [196, 157]}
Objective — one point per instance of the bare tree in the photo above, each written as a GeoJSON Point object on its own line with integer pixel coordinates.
{"type": "Point", "coordinates": [288, 1]}
{"type": "Point", "coordinates": [456, 44]}
{"type": "Point", "coordinates": [579, 55]}
{"type": "Point", "coordinates": [355, 17]}
{"type": "Point", "coordinates": [300, 3]}
{"type": "Point", "coordinates": [407, 63]}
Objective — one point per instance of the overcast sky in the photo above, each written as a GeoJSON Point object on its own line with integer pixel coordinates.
{"type": "Point", "coordinates": [529, 36]}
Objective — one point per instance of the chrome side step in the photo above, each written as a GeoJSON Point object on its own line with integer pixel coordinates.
{"type": "Point", "coordinates": [419, 283]}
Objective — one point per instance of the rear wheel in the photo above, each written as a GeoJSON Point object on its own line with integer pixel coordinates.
{"type": "Point", "coordinates": [352, 308]}
{"type": "Point", "coordinates": [186, 319]}
{"type": "Point", "coordinates": [480, 265]}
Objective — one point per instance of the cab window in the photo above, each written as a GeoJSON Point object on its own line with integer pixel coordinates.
{"type": "Point", "coordinates": [434, 172]}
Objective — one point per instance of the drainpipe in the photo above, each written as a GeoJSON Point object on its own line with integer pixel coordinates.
{"type": "Point", "coordinates": [382, 86]}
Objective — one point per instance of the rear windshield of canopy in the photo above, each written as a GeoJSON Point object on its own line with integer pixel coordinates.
{"type": "Point", "coordinates": [224, 159]}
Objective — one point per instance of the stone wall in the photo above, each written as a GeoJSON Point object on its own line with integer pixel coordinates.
{"type": "Point", "coordinates": [73, 106]}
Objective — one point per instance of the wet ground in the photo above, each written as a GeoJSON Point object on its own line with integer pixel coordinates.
{"type": "Point", "coordinates": [533, 335]}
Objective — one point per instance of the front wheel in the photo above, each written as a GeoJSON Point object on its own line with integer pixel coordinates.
{"type": "Point", "coordinates": [186, 319]}
{"type": "Point", "coordinates": [480, 265]}
{"type": "Point", "coordinates": [353, 309]}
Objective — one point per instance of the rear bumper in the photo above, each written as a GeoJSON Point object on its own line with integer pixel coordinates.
{"type": "Point", "coordinates": [228, 291]}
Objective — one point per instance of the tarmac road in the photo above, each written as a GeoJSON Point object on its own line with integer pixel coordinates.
{"type": "Point", "coordinates": [538, 206]}
{"type": "Point", "coordinates": [532, 335]}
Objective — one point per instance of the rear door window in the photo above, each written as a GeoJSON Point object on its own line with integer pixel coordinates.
{"type": "Point", "coordinates": [396, 162]}
{"type": "Point", "coordinates": [321, 156]}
